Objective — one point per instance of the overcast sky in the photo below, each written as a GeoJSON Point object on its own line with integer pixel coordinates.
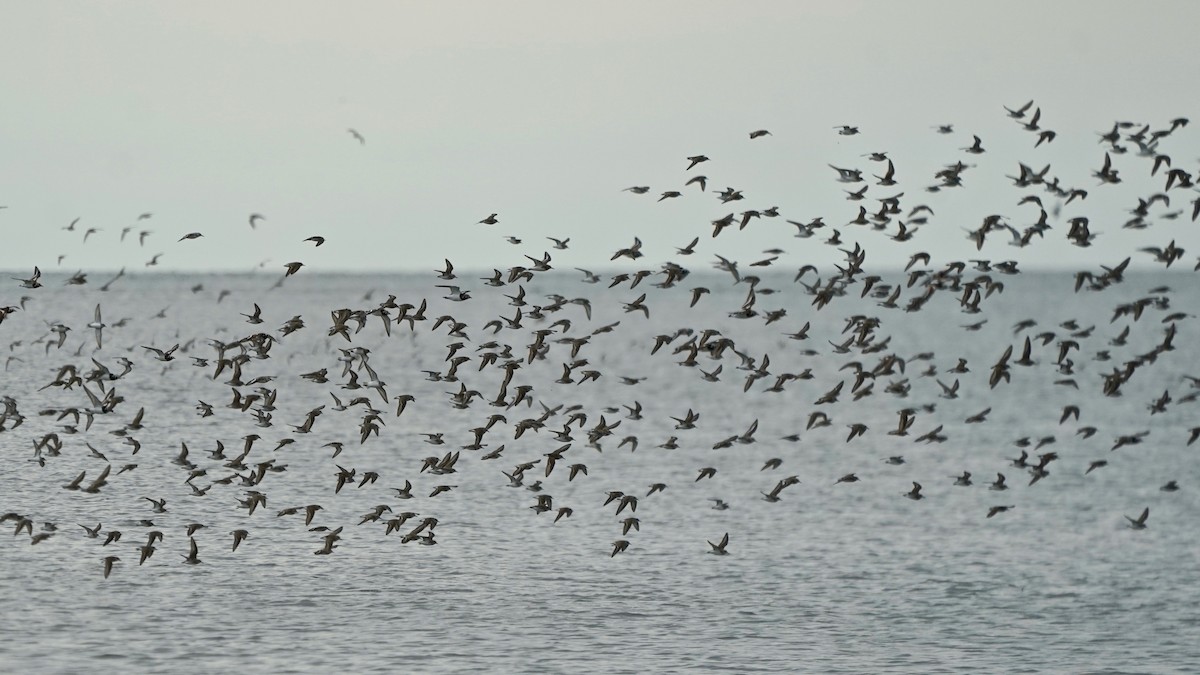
{"type": "Point", "coordinates": [203, 113]}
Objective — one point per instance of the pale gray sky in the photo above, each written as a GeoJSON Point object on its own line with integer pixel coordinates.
{"type": "Point", "coordinates": [202, 113]}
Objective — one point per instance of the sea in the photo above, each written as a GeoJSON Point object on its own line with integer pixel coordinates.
{"type": "Point", "coordinates": [833, 577]}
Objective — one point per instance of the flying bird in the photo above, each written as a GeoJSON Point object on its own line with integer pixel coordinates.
{"type": "Point", "coordinates": [1140, 522]}
{"type": "Point", "coordinates": [98, 326]}
{"type": "Point", "coordinates": [719, 549]}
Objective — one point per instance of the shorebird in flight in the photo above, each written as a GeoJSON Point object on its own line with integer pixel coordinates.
{"type": "Point", "coordinates": [719, 549]}
{"type": "Point", "coordinates": [193, 556]}
{"type": "Point", "coordinates": [98, 326]}
{"type": "Point", "coordinates": [915, 493]}
{"type": "Point", "coordinates": [33, 281]}
{"type": "Point", "coordinates": [1140, 523]}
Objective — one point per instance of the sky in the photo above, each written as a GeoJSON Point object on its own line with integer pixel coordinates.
{"type": "Point", "coordinates": [542, 112]}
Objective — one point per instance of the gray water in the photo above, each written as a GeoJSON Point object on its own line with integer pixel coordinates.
{"type": "Point", "coordinates": [832, 578]}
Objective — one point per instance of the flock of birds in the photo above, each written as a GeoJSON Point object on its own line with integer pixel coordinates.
{"type": "Point", "coordinates": [489, 369]}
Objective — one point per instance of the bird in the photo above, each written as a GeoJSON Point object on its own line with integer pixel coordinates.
{"type": "Point", "coordinates": [33, 281]}
{"type": "Point", "coordinates": [97, 325]}
{"type": "Point", "coordinates": [109, 561]}
{"type": "Point", "coordinates": [1140, 522]}
{"type": "Point", "coordinates": [847, 175]}
{"type": "Point", "coordinates": [976, 148]}
{"type": "Point", "coordinates": [405, 492]}
{"type": "Point", "coordinates": [455, 293]}
{"type": "Point", "coordinates": [309, 512]}
{"type": "Point", "coordinates": [162, 355]}
{"type": "Point", "coordinates": [992, 511]}
{"type": "Point", "coordinates": [238, 537]}
{"type": "Point", "coordinates": [254, 317]}
{"type": "Point", "coordinates": [1019, 112]}
{"type": "Point", "coordinates": [719, 549]}
{"type": "Point", "coordinates": [773, 495]}
{"type": "Point", "coordinates": [192, 558]}
{"type": "Point", "coordinates": [191, 235]}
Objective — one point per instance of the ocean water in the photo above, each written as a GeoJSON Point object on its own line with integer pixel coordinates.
{"type": "Point", "coordinates": [847, 577]}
